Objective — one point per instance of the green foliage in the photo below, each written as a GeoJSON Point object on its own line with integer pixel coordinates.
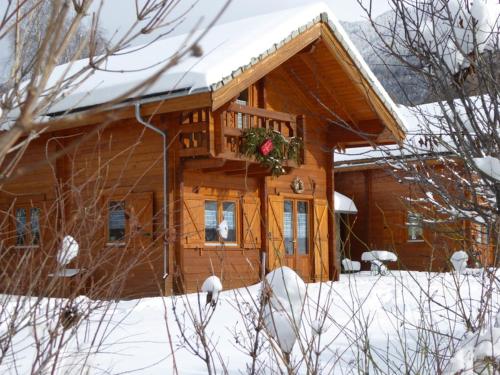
{"type": "Point", "coordinates": [284, 149]}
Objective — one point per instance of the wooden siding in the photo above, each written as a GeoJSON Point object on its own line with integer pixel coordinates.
{"type": "Point", "coordinates": [123, 162]}
{"type": "Point", "coordinates": [381, 222]}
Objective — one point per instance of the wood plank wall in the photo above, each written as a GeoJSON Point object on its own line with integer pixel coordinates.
{"type": "Point", "coordinates": [381, 222]}
{"type": "Point", "coordinates": [122, 161]}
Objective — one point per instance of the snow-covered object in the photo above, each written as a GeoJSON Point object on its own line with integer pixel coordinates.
{"type": "Point", "coordinates": [379, 255]}
{"type": "Point", "coordinates": [489, 165]}
{"type": "Point", "coordinates": [285, 296]}
{"type": "Point", "coordinates": [459, 260]}
{"type": "Point", "coordinates": [378, 268]}
{"type": "Point", "coordinates": [343, 204]}
{"type": "Point", "coordinates": [427, 131]}
{"type": "Point", "coordinates": [227, 53]}
{"type": "Point", "coordinates": [281, 328]}
{"type": "Point", "coordinates": [476, 354]}
{"type": "Point", "coordinates": [461, 363]}
{"type": "Point", "coordinates": [223, 229]}
{"type": "Point", "coordinates": [68, 251]}
{"type": "Point", "coordinates": [212, 286]}
{"type": "Point", "coordinates": [317, 327]}
{"type": "Point", "coordinates": [351, 265]}
{"type": "Point", "coordinates": [463, 27]}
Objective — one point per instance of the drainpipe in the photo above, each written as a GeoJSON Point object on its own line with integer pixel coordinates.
{"type": "Point", "coordinates": [164, 135]}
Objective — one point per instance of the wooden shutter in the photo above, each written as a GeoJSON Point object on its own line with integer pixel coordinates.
{"type": "Point", "coordinates": [275, 237]}
{"type": "Point", "coordinates": [193, 228]}
{"type": "Point", "coordinates": [320, 239]}
{"type": "Point", "coordinates": [139, 208]}
{"type": "Point", "coordinates": [251, 222]}
{"type": "Point", "coordinates": [5, 227]}
{"type": "Point", "coordinates": [49, 221]}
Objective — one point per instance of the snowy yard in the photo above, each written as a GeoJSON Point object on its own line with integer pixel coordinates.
{"type": "Point", "coordinates": [360, 311]}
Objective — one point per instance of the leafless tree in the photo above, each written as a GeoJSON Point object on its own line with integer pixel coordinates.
{"type": "Point", "coordinates": [65, 331]}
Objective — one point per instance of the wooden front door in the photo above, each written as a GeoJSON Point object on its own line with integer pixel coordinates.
{"type": "Point", "coordinates": [296, 235]}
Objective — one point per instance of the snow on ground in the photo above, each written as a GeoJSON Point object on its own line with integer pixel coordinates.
{"type": "Point", "coordinates": [136, 337]}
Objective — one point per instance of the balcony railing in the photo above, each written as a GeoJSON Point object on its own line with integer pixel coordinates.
{"type": "Point", "coordinates": [238, 117]}
{"type": "Point", "coordinates": [195, 132]}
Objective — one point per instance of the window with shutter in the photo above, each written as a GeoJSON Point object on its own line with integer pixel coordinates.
{"type": "Point", "coordinates": [28, 224]}
{"type": "Point", "coordinates": [129, 219]}
{"type": "Point", "coordinates": [215, 212]}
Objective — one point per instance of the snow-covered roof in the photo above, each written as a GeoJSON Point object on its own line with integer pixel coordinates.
{"type": "Point", "coordinates": [228, 50]}
{"type": "Point", "coordinates": [343, 204]}
{"type": "Point", "coordinates": [423, 125]}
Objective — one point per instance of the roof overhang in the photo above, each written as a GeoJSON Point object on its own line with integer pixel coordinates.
{"type": "Point", "coordinates": [351, 61]}
{"type": "Point", "coordinates": [225, 90]}
{"type": "Point", "coordinates": [343, 204]}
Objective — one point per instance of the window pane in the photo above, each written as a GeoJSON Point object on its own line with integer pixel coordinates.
{"type": "Point", "coordinates": [415, 229]}
{"type": "Point", "coordinates": [20, 226]}
{"type": "Point", "coordinates": [35, 225]}
{"type": "Point", "coordinates": [116, 221]}
{"type": "Point", "coordinates": [211, 221]}
{"type": "Point", "coordinates": [303, 227]}
{"type": "Point", "coordinates": [229, 214]}
{"type": "Point", "coordinates": [241, 121]}
{"type": "Point", "coordinates": [288, 227]}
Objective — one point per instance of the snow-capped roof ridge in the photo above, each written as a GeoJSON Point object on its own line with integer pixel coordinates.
{"type": "Point", "coordinates": [228, 52]}
{"type": "Point", "coordinates": [422, 123]}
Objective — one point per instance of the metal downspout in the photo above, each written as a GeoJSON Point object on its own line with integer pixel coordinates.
{"type": "Point", "coordinates": [164, 135]}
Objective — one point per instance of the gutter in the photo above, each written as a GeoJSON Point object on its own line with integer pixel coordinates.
{"type": "Point", "coordinates": [164, 135]}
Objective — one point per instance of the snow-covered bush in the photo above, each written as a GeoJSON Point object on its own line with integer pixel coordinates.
{"type": "Point", "coordinates": [459, 261]}
{"type": "Point", "coordinates": [212, 286]}
{"type": "Point", "coordinates": [285, 294]}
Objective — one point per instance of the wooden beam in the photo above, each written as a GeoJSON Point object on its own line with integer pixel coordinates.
{"type": "Point", "coordinates": [260, 112]}
{"type": "Point", "coordinates": [106, 114]}
{"type": "Point", "coordinates": [345, 112]}
{"type": "Point", "coordinates": [263, 67]}
{"type": "Point", "coordinates": [347, 63]}
{"type": "Point", "coordinates": [386, 136]}
{"type": "Point", "coordinates": [196, 164]}
{"type": "Point", "coordinates": [311, 106]}
{"type": "Point", "coordinates": [334, 257]}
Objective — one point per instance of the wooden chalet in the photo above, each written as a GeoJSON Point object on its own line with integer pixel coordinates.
{"type": "Point", "coordinates": [386, 215]}
{"type": "Point", "coordinates": [169, 168]}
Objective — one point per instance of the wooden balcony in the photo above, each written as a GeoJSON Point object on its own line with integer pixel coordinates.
{"type": "Point", "coordinates": [237, 118]}
{"type": "Point", "coordinates": [227, 131]}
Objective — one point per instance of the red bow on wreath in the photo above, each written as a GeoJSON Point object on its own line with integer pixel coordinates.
{"type": "Point", "coordinates": [266, 147]}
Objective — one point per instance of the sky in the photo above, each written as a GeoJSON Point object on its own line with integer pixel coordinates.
{"type": "Point", "coordinates": [117, 13]}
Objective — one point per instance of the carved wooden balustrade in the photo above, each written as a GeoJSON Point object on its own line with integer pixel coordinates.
{"type": "Point", "coordinates": [222, 138]}
{"type": "Point", "coordinates": [237, 118]}
{"type": "Point", "coordinates": [194, 133]}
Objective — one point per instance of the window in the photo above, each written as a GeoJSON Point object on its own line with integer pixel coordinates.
{"type": "Point", "coordinates": [129, 220]}
{"type": "Point", "coordinates": [415, 228]}
{"type": "Point", "coordinates": [296, 227]}
{"type": "Point", "coordinates": [27, 226]}
{"type": "Point", "coordinates": [481, 234]}
{"type": "Point", "coordinates": [241, 121]}
{"type": "Point", "coordinates": [215, 213]}
{"type": "Point", "coordinates": [211, 221]}
{"type": "Point", "coordinates": [116, 221]}
{"type": "Point", "coordinates": [302, 227]}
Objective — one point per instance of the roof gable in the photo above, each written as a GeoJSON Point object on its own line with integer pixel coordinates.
{"type": "Point", "coordinates": [236, 54]}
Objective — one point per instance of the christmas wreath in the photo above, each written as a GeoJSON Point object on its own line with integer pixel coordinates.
{"type": "Point", "coordinates": [271, 149]}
